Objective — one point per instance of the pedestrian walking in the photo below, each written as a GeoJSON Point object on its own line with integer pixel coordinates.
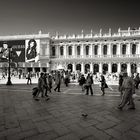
{"type": "Point", "coordinates": [46, 87]}
{"type": "Point", "coordinates": [41, 85]}
{"type": "Point", "coordinates": [137, 80]}
{"type": "Point", "coordinates": [89, 82]}
{"type": "Point", "coordinates": [57, 81]}
{"type": "Point", "coordinates": [128, 88]}
{"type": "Point", "coordinates": [103, 85]}
{"type": "Point", "coordinates": [66, 80]}
{"type": "Point", "coordinates": [29, 78]}
{"type": "Point", "coordinates": [120, 83]}
{"type": "Point", "coordinates": [50, 81]}
{"type": "Point", "coordinates": [82, 81]}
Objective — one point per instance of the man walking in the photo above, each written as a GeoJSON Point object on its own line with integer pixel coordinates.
{"type": "Point", "coordinates": [89, 82]}
{"type": "Point", "coordinates": [128, 88]}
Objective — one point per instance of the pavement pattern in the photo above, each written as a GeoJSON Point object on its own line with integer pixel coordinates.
{"type": "Point", "coordinates": [60, 118]}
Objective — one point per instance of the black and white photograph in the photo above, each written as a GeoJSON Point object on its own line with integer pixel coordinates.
{"type": "Point", "coordinates": [69, 70]}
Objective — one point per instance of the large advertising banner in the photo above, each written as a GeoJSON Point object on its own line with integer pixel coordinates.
{"type": "Point", "coordinates": [17, 50]}
{"type": "Point", "coordinates": [32, 50]}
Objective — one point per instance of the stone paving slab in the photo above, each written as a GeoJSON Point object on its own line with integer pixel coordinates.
{"type": "Point", "coordinates": [60, 118]}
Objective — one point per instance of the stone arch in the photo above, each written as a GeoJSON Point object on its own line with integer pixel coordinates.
{"type": "Point", "coordinates": [95, 68]}
{"type": "Point", "coordinates": [105, 68]}
{"type": "Point", "coordinates": [124, 67]}
{"type": "Point", "coordinates": [70, 67]}
{"type": "Point", "coordinates": [133, 68]}
{"type": "Point", "coordinates": [114, 67]}
{"type": "Point", "coordinates": [78, 67]}
{"type": "Point", "coordinates": [87, 68]}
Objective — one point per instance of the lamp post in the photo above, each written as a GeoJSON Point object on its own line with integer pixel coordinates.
{"type": "Point", "coordinates": [9, 67]}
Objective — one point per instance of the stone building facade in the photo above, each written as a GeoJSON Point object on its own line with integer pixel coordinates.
{"type": "Point", "coordinates": [104, 53]}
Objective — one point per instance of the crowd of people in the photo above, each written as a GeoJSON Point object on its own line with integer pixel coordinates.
{"type": "Point", "coordinates": [127, 85]}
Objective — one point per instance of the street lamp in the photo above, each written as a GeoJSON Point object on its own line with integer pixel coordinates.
{"type": "Point", "coordinates": [9, 67]}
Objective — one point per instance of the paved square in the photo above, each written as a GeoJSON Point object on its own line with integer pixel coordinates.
{"type": "Point", "coordinates": [60, 118]}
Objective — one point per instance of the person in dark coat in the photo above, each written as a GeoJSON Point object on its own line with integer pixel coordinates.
{"type": "Point", "coordinates": [82, 81]}
{"type": "Point", "coordinates": [57, 81]}
{"type": "Point", "coordinates": [128, 87]}
{"type": "Point", "coordinates": [89, 82]}
{"type": "Point", "coordinates": [29, 78]}
{"type": "Point", "coordinates": [41, 85]}
{"type": "Point", "coordinates": [120, 83]}
{"type": "Point", "coordinates": [45, 85]}
{"type": "Point", "coordinates": [103, 85]}
{"type": "Point", "coordinates": [66, 80]}
{"type": "Point", "coordinates": [50, 78]}
{"type": "Point", "coordinates": [137, 80]}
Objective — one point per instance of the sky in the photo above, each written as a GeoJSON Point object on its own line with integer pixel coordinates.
{"type": "Point", "coordinates": [67, 16]}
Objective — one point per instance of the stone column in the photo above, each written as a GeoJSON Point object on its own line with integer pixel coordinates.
{"type": "Point", "coordinates": [119, 67]}
{"type": "Point", "coordinates": [100, 49]}
{"type": "Point", "coordinates": [65, 51]}
{"type": "Point", "coordinates": [109, 50]}
{"type": "Point", "coordinates": [129, 69]}
{"type": "Point", "coordinates": [93, 53]}
{"type": "Point", "coordinates": [100, 68]}
{"type": "Point", "coordinates": [73, 51]}
{"type": "Point", "coordinates": [82, 50]}
{"type": "Point", "coordinates": [91, 67]}
{"type": "Point", "coordinates": [91, 50]}
{"type": "Point", "coordinates": [119, 49]}
{"type": "Point", "coordinates": [129, 49]}
{"type": "Point", "coordinates": [74, 67]}
{"type": "Point", "coordinates": [109, 68]}
{"type": "Point", "coordinates": [82, 68]}
{"type": "Point", "coordinates": [58, 51]}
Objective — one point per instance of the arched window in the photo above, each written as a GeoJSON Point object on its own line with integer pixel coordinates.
{"type": "Point", "coordinates": [78, 50]}
{"type": "Point", "coordinates": [134, 49]}
{"type": "Point", "coordinates": [114, 49]}
{"type": "Point", "coordinates": [96, 50]}
{"type": "Point", "coordinates": [105, 50]}
{"type": "Point", "coordinates": [87, 50]}
{"type": "Point", "coordinates": [70, 50]}
{"type": "Point", "coordinates": [123, 49]}
{"type": "Point", "coordinates": [53, 51]}
{"type": "Point", "coordinates": [61, 50]}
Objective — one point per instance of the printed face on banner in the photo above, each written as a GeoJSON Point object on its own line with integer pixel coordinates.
{"type": "Point", "coordinates": [3, 51]}
{"type": "Point", "coordinates": [32, 50]}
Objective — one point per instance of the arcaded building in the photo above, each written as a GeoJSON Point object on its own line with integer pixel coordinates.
{"type": "Point", "coordinates": [104, 53]}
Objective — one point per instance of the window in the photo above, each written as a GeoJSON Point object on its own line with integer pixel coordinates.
{"type": "Point", "coordinates": [134, 49]}
{"type": "Point", "coordinates": [105, 49]}
{"type": "Point", "coordinates": [96, 50]}
{"type": "Point", "coordinates": [53, 51]}
{"type": "Point", "coordinates": [124, 49]}
{"type": "Point", "coordinates": [61, 50]}
{"type": "Point", "coordinates": [70, 50]}
{"type": "Point", "coordinates": [78, 50]}
{"type": "Point", "coordinates": [114, 49]}
{"type": "Point", "coordinates": [87, 50]}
